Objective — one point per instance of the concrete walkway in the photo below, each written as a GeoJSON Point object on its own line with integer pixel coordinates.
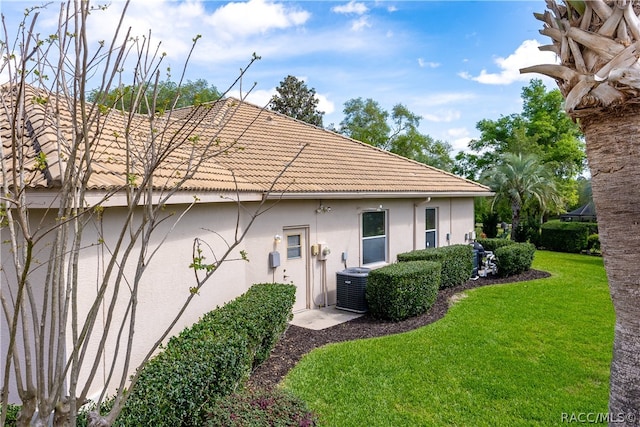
{"type": "Point", "coordinates": [322, 318]}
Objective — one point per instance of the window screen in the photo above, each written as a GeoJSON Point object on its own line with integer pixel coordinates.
{"type": "Point", "coordinates": [374, 237]}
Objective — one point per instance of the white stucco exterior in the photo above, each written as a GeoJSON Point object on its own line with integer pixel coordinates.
{"type": "Point", "coordinates": [333, 223]}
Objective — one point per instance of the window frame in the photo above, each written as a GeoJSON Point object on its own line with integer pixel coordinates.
{"type": "Point", "coordinates": [430, 230]}
{"type": "Point", "coordinates": [365, 236]}
{"type": "Point", "coordinates": [298, 246]}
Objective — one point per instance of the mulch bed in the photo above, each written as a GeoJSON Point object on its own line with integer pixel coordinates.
{"type": "Point", "coordinates": [297, 341]}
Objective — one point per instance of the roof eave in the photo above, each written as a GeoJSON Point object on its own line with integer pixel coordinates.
{"type": "Point", "coordinates": [378, 195]}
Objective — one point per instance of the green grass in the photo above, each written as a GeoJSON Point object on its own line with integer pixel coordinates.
{"type": "Point", "coordinates": [520, 354]}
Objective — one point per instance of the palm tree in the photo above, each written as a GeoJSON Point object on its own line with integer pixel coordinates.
{"type": "Point", "coordinates": [598, 43]}
{"type": "Point", "coordinates": [519, 179]}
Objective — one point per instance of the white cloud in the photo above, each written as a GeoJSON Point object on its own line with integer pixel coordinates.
{"type": "Point", "coordinates": [260, 97]}
{"type": "Point", "coordinates": [352, 7]}
{"type": "Point", "coordinates": [360, 23]}
{"type": "Point", "coordinates": [442, 116]}
{"type": "Point", "coordinates": [325, 105]}
{"type": "Point", "coordinates": [422, 63]}
{"type": "Point", "coordinates": [458, 132]}
{"type": "Point", "coordinates": [445, 98]}
{"type": "Point", "coordinates": [460, 144]}
{"type": "Point", "coordinates": [459, 139]}
{"type": "Point", "coordinates": [526, 54]}
{"type": "Point", "coordinates": [225, 31]}
{"type": "Point", "coordinates": [254, 17]}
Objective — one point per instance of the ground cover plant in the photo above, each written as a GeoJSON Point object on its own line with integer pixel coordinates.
{"type": "Point", "coordinates": [528, 353]}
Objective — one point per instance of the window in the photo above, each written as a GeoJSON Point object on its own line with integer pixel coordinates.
{"type": "Point", "coordinates": [431, 229]}
{"type": "Point", "coordinates": [294, 247]}
{"type": "Point", "coordinates": [374, 237]}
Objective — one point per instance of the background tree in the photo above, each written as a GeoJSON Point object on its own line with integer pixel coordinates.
{"type": "Point", "coordinates": [296, 100]}
{"type": "Point", "coordinates": [599, 76]}
{"type": "Point", "coordinates": [542, 128]}
{"type": "Point", "coordinates": [407, 141]}
{"type": "Point", "coordinates": [46, 314]}
{"type": "Point", "coordinates": [523, 182]}
{"type": "Point", "coordinates": [165, 95]}
{"type": "Point", "coordinates": [367, 121]}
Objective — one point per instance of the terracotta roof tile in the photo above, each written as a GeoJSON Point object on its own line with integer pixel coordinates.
{"type": "Point", "coordinates": [253, 148]}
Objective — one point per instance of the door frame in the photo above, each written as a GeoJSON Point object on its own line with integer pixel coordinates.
{"type": "Point", "coordinates": [306, 253]}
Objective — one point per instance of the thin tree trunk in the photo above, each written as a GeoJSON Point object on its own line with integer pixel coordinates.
{"type": "Point", "coordinates": [613, 150]}
{"type": "Point", "coordinates": [515, 218]}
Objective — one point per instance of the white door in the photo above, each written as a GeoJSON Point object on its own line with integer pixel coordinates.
{"type": "Point", "coordinates": [295, 266]}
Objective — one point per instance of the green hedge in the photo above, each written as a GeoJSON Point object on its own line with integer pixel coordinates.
{"type": "Point", "coordinates": [565, 236]}
{"type": "Point", "coordinates": [209, 359]}
{"type": "Point", "coordinates": [493, 244]}
{"type": "Point", "coordinates": [514, 259]}
{"type": "Point", "coordinates": [403, 290]}
{"type": "Point", "coordinates": [456, 260]}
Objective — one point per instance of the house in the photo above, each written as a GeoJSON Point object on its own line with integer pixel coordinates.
{"type": "Point", "coordinates": [326, 202]}
{"type": "Point", "coordinates": [585, 213]}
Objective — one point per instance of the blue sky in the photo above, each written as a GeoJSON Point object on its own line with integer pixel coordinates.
{"type": "Point", "coordinates": [453, 63]}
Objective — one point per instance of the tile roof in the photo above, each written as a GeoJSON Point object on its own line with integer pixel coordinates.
{"type": "Point", "coordinates": [238, 147]}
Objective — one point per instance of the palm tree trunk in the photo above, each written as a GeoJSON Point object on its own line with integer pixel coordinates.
{"type": "Point", "coordinates": [613, 150]}
{"type": "Point", "coordinates": [515, 218]}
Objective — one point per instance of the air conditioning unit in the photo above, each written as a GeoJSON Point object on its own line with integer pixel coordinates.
{"type": "Point", "coordinates": [351, 286]}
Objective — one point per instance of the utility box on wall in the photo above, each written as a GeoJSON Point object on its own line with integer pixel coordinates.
{"type": "Point", "coordinates": [351, 286]}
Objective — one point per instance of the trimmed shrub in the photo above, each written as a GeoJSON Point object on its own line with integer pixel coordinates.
{"type": "Point", "coordinates": [493, 244]}
{"type": "Point", "coordinates": [564, 236]}
{"type": "Point", "coordinates": [456, 260]}
{"type": "Point", "coordinates": [593, 243]}
{"type": "Point", "coordinates": [260, 408]}
{"type": "Point", "coordinates": [209, 359]}
{"type": "Point", "coordinates": [263, 313]}
{"type": "Point", "coordinates": [514, 259]}
{"type": "Point", "coordinates": [402, 290]}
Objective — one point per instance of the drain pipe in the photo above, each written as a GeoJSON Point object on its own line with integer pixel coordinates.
{"type": "Point", "coordinates": [324, 283]}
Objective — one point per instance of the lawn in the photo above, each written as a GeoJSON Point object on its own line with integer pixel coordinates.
{"type": "Point", "coordinates": [522, 354]}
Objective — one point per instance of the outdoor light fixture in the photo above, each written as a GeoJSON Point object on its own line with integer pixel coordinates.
{"type": "Point", "coordinates": [323, 209]}
{"type": "Point", "coordinates": [277, 238]}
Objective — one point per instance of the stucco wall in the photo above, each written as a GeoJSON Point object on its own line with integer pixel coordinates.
{"type": "Point", "coordinates": [167, 278]}
{"type": "Point", "coordinates": [340, 229]}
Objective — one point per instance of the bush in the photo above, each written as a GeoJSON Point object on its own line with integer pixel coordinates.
{"type": "Point", "coordinates": [402, 290]}
{"type": "Point", "coordinates": [456, 260]}
{"type": "Point", "coordinates": [260, 408]}
{"type": "Point", "coordinates": [493, 244]}
{"type": "Point", "coordinates": [12, 415]}
{"type": "Point", "coordinates": [514, 259]}
{"type": "Point", "coordinates": [593, 243]}
{"type": "Point", "coordinates": [263, 313]}
{"type": "Point", "coordinates": [528, 231]}
{"type": "Point", "coordinates": [490, 224]}
{"type": "Point", "coordinates": [209, 359]}
{"type": "Point", "coordinates": [564, 236]}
